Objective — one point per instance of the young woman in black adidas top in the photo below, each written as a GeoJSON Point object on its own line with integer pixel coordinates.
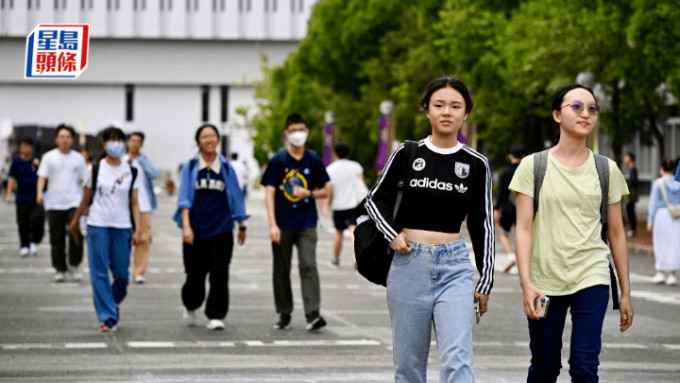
{"type": "Point", "coordinates": [431, 277]}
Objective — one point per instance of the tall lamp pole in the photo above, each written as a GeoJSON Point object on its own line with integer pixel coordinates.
{"type": "Point", "coordinates": [385, 135]}
{"type": "Point", "coordinates": [328, 139]}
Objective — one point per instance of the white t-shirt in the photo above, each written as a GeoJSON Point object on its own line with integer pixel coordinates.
{"type": "Point", "coordinates": [142, 192]}
{"type": "Point", "coordinates": [344, 174]}
{"type": "Point", "coordinates": [64, 173]}
{"type": "Point", "coordinates": [241, 170]}
{"type": "Point", "coordinates": [111, 204]}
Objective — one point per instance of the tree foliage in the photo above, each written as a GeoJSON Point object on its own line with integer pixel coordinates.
{"type": "Point", "coordinates": [512, 54]}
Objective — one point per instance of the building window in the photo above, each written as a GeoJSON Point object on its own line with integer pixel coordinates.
{"type": "Point", "coordinates": [224, 103]}
{"type": "Point", "coordinates": [302, 5]}
{"type": "Point", "coordinates": [205, 103]}
{"type": "Point", "coordinates": [276, 6]}
{"type": "Point", "coordinates": [248, 5]}
{"type": "Point", "coordinates": [129, 102]}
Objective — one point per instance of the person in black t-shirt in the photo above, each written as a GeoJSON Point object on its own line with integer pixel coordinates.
{"type": "Point", "coordinates": [431, 280]}
{"type": "Point", "coordinates": [505, 211]}
{"type": "Point", "coordinates": [633, 183]}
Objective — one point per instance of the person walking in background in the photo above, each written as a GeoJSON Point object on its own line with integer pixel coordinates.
{"type": "Point", "coordinates": [560, 250]}
{"type": "Point", "coordinates": [241, 170]}
{"type": "Point", "coordinates": [110, 195]}
{"type": "Point", "coordinates": [208, 203]}
{"type": "Point", "coordinates": [345, 176]}
{"type": "Point", "coordinates": [633, 185]}
{"type": "Point", "coordinates": [665, 229]}
{"type": "Point", "coordinates": [64, 169]}
{"type": "Point", "coordinates": [505, 209]}
{"type": "Point", "coordinates": [30, 216]}
{"type": "Point", "coordinates": [430, 282]}
{"type": "Point", "coordinates": [294, 178]}
{"type": "Point", "coordinates": [147, 202]}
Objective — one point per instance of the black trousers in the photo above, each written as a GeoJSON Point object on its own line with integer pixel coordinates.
{"type": "Point", "coordinates": [31, 222]}
{"type": "Point", "coordinates": [59, 221]}
{"type": "Point", "coordinates": [632, 218]}
{"type": "Point", "coordinates": [208, 255]}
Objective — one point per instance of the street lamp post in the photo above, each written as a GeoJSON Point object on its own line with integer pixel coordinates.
{"type": "Point", "coordinates": [385, 135]}
{"type": "Point", "coordinates": [328, 139]}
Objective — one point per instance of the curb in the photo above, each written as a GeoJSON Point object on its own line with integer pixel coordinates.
{"type": "Point", "coordinates": [640, 249]}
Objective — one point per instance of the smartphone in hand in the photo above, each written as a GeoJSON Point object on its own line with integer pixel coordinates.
{"type": "Point", "coordinates": [541, 306]}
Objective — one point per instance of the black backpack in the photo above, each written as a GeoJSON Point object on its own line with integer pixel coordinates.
{"type": "Point", "coordinates": [372, 251]}
{"type": "Point", "coordinates": [602, 165]}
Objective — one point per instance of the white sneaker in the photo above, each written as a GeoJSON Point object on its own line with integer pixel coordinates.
{"type": "Point", "coordinates": [24, 252]}
{"type": "Point", "coordinates": [76, 274]}
{"type": "Point", "coordinates": [139, 279]}
{"type": "Point", "coordinates": [671, 281]}
{"type": "Point", "coordinates": [60, 276]}
{"type": "Point", "coordinates": [34, 249]}
{"type": "Point", "coordinates": [215, 324]}
{"type": "Point", "coordinates": [658, 278]}
{"type": "Point", "coordinates": [189, 317]}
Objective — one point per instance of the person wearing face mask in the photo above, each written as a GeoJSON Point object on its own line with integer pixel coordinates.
{"type": "Point", "coordinates": [64, 169]}
{"type": "Point", "coordinates": [108, 186]}
{"type": "Point", "coordinates": [294, 179]}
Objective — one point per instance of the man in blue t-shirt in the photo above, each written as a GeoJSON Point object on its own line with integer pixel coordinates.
{"type": "Point", "coordinates": [23, 175]}
{"type": "Point", "coordinates": [294, 178]}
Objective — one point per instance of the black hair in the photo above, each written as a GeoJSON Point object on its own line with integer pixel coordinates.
{"type": "Point", "coordinates": [67, 128]}
{"type": "Point", "coordinates": [295, 118]}
{"type": "Point", "coordinates": [26, 141]}
{"type": "Point", "coordinates": [560, 93]}
{"type": "Point", "coordinates": [200, 128]}
{"type": "Point", "coordinates": [669, 165]}
{"type": "Point", "coordinates": [341, 150]}
{"type": "Point", "coordinates": [518, 151]}
{"type": "Point", "coordinates": [442, 82]}
{"type": "Point", "coordinates": [137, 133]}
{"type": "Point", "coordinates": [112, 133]}
{"type": "Point", "coordinates": [631, 155]}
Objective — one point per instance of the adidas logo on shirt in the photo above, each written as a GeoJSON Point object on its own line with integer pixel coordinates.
{"type": "Point", "coordinates": [431, 184]}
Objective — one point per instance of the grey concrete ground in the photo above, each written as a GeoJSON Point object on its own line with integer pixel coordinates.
{"type": "Point", "coordinates": [49, 332]}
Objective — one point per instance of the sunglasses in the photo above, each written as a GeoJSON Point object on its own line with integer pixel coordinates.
{"type": "Point", "coordinates": [577, 107]}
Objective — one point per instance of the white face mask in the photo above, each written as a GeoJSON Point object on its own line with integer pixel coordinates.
{"type": "Point", "coordinates": [297, 138]}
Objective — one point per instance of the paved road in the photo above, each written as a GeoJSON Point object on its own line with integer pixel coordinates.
{"type": "Point", "coordinates": [49, 332]}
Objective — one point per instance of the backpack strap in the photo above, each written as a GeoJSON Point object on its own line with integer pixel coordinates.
{"type": "Point", "coordinates": [95, 174]}
{"type": "Point", "coordinates": [540, 166]}
{"type": "Point", "coordinates": [134, 177]}
{"type": "Point", "coordinates": [602, 164]}
{"type": "Point", "coordinates": [411, 146]}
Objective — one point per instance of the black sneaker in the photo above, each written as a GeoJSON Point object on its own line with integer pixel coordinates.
{"type": "Point", "coordinates": [283, 323]}
{"type": "Point", "coordinates": [315, 321]}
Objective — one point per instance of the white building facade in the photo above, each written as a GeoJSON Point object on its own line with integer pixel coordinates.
{"type": "Point", "coordinates": [159, 66]}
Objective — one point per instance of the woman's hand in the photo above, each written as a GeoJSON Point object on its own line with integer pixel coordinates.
{"type": "Point", "coordinates": [188, 235]}
{"type": "Point", "coordinates": [482, 300]}
{"type": "Point", "coordinates": [626, 313]}
{"type": "Point", "coordinates": [530, 295]}
{"type": "Point", "coordinates": [401, 244]}
{"type": "Point", "coordinates": [241, 237]}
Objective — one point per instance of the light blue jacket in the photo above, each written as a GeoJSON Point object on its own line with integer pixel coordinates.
{"type": "Point", "coordinates": [656, 200]}
{"type": "Point", "coordinates": [150, 171]}
{"type": "Point", "coordinates": [187, 189]}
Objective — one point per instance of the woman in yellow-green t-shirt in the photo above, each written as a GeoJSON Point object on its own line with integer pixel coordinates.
{"type": "Point", "coordinates": [560, 252]}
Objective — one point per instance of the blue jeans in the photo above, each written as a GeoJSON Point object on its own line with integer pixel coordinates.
{"type": "Point", "coordinates": [432, 285]}
{"type": "Point", "coordinates": [108, 249]}
{"type": "Point", "coordinates": [588, 307]}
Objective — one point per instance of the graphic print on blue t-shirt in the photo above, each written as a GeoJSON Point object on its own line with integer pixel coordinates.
{"type": "Point", "coordinates": [209, 215]}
